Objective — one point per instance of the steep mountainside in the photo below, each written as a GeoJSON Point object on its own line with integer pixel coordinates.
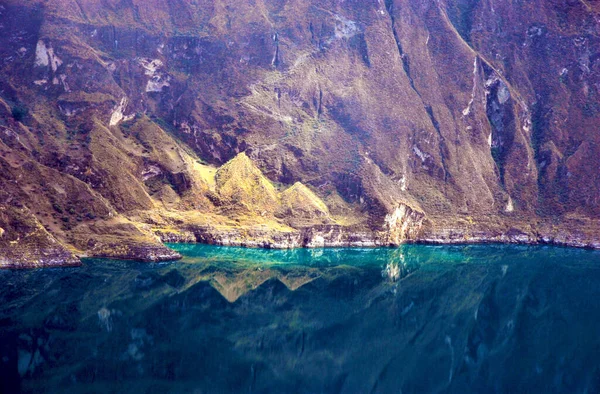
{"type": "Point", "coordinates": [295, 123]}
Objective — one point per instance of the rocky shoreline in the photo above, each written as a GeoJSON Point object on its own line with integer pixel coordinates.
{"type": "Point", "coordinates": [402, 225]}
{"type": "Point", "coordinates": [323, 237]}
{"type": "Point", "coordinates": [514, 240]}
{"type": "Point", "coordinates": [339, 237]}
{"type": "Point", "coordinates": [143, 253]}
{"type": "Point", "coordinates": [313, 237]}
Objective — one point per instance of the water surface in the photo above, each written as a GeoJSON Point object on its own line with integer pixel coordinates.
{"type": "Point", "coordinates": [414, 319]}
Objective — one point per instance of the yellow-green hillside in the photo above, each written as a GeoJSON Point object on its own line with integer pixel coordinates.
{"type": "Point", "coordinates": [241, 184]}
{"type": "Point", "coordinates": [299, 202]}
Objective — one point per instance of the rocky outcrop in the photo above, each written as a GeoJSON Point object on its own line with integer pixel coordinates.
{"type": "Point", "coordinates": [150, 253]}
{"type": "Point", "coordinates": [318, 236]}
{"type": "Point", "coordinates": [337, 236]}
{"type": "Point", "coordinates": [252, 237]}
{"type": "Point", "coordinates": [403, 224]}
{"type": "Point", "coordinates": [26, 244]}
{"type": "Point", "coordinates": [571, 232]}
{"type": "Point", "coordinates": [176, 236]}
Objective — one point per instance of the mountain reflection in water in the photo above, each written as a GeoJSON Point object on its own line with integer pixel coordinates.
{"type": "Point", "coordinates": [229, 320]}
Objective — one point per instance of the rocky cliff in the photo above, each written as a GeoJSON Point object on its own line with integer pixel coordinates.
{"type": "Point", "coordinates": [295, 123]}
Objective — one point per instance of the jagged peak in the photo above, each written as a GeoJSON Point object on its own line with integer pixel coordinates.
{"type": "Point", "coordinates": [299, 202]}
{"type": "Point", "coordinates": [240, 163]}
{"type": "Point", "coordinates": [300, 194]}
{"type": "Point", "coordinates": [241, 182]}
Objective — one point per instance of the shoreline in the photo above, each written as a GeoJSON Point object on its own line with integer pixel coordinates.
{"type": "Point", "coordinates": [426, 242]}
{"type": "Point", "coordinates": [294, 241]}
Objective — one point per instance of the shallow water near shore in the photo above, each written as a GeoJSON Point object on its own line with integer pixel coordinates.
{"type": "Point", "coordinates": [419, 318]}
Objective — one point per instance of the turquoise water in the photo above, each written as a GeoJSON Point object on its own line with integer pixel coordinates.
{"type": "Point", "coordinates": [413, 319]}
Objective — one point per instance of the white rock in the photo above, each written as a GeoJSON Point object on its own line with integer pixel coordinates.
{"type": "Point", "coordinates": [510, 206]}
{"type": "Point", "coordinates": [150, 66]}
{"type": "Point", "coordinates": [158, 80]}
{"type": "Point", "coordinates": [316, 242]}
{"type": "Point", "coordinates": [419, 153]}
{"type": "Point", "coordinates": [402, 182]}
{"type": "Point", "coordinates": [156, 84]}
{"type": "Point", "coordinates": [41, 54]}
{"type": "Point", "coordinates": [467, 110]}
{"type": "Point", "coordinates": [344, 27]}
{"type": "Point", "coordinates": [45, 57]}
{"type": "Point", "coordinates": [503, 93]}
{"type": "Point", "coordinates": [63, 80]}
{"type": "Point", "coordinates": [151, 172]}
{"type": "Point", "coordinates": [117, 114]}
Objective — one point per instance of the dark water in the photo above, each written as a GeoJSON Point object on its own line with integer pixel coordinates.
{"type": "Point", "coordinates": [227, 320]}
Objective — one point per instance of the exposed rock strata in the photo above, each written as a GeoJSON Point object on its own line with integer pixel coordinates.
{"type": "Point", "coordinates": [313, 237]}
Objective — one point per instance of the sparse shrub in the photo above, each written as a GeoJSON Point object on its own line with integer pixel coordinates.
{"type": "Point", "coordinates": [19, 112]}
